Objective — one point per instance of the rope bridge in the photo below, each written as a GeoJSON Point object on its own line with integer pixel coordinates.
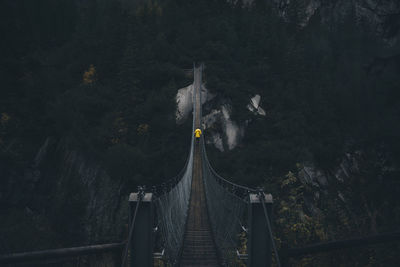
{"type": "Point", "coordinates": [202, 218]}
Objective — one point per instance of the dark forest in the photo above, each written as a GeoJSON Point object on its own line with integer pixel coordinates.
{"type": "Point", "coordinates": [95, 81]}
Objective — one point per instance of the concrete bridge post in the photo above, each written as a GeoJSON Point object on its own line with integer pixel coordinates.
{"type": "Point", "coordinates": [142, 242]}
{"type": "Point", "coordinates": [259, 243]}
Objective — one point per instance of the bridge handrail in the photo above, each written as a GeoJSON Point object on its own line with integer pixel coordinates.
{"type": "Point", "coordinates": [223, 181]}
{"type": "Point", "coordinates": [226, 205]}
{"type": "Point", "coordinates": [165, 187]}
{"type": "Point", "coordinates": [132, 225]}
{"type": "Point", "coordinates": [172, 205]}
{"type": "Point", "coordinates": [59, 253]}
{"type": "Point", "coordinates": [231, 187]}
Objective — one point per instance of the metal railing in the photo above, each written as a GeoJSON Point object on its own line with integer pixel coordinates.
{"type": "Point", "coordinates": [132, 225]}
{"type": "Point", "coordinates": [71, 252]}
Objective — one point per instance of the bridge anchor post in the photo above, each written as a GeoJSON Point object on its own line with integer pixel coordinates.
{"type": "Point", "coordinates": [259, 244]}
{"type": "Point", "coordinates": [142, 242]}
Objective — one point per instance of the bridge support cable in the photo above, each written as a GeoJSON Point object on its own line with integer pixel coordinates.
{"type": "Point", "coordinates": [131, 226]}
{"type": "Point", "coordinates": [262, 198]}
{"type": "Point", "coordinates": [140, 243]}
{"type": "Point", "coordinates": [259, 239]}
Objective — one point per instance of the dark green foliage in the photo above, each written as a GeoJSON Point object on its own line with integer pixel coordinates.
{"type": "Point", "coordinates": [327, 89]}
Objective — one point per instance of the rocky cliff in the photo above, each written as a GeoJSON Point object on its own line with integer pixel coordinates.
{"type": "Point", "coordinates": [61, 198]}
{"type": "Point", "coordinates": [383, 17]}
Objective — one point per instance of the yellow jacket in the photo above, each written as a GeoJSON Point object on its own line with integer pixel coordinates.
{"type": "Point", "coordinates": [197, 133]}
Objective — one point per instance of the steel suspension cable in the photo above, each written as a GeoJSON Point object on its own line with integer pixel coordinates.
{"type": "Point", "coordinates": [261, 196]}
{"type": "Point", "coordinates": [128, 243]}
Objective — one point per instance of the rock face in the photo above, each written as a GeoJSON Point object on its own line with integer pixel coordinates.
{"type": "Point", "coordinates": [254, 106]}
{"type": "Point", "coordinates": [105, 207]}
{"type": "Point", "coordinates": [383, 17]}
{"type": "Point", "coordinates": [224, 132]}
{"type": "Point", "coordinates": [184, 101]}
{"type": "Point", "coordinates": [322, 182]}
{"type": "Point", "coordinates": [219, 117]}
{"type": "Point", "coordinates": [67, 197]}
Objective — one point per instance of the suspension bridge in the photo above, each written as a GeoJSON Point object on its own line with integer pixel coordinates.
{"type": "Point", "coordinates": [201, 216]}
{"type": "Point", "coordinates": [197, 218]}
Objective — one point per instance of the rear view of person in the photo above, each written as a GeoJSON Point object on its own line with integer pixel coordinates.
{"type": "Point", "coordinates": [197, 134]}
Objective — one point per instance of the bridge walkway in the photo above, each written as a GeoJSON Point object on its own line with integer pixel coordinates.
{"type": "Point", "coordinates": [198, 245]}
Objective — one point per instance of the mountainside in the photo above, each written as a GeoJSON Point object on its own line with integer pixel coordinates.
{"type": "Point", "coordinates": [382, 17]}
{"type": "Point", "coordinates": [301, 97]}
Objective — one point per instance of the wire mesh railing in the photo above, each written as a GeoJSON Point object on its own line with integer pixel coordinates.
{"type": "Point", "coordinates": [227, 205]}
{"type": "Point", "coordinates": [172, 199]}
{"type": "Point", "coordinates": [171, 209]}
{"type": "Point", "coordinates": [131, 227]}
{"type": "Point", "coordinates": [227, 208]}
